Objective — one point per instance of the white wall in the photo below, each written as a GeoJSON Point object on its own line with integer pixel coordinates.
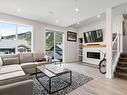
{"type": "Point", "coordinates": [70, 51]}
{"type": "Point", "coordinates": [125, 37]}
{"type": "Point", "coordinates": [90, 27]}
{"type": "Point", "coordinates": [117, 27]}
{"type": "Point", "coordinates": [117, 20]}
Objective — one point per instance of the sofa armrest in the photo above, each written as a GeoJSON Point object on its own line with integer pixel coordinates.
{"type": "Point", "coordinates": [18, 88]}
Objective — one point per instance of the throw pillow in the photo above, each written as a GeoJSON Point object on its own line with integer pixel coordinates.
{"type": "Point", "coordinates": [1, 62]}
{"type": "Point", "coordinates": [26, 57]}
{"type": "Point", "coordinates": [46, 57]}
{"type": "Point", "coordinates": [10, 61]}
{"type": "Point", "coordinates": [38, 56]}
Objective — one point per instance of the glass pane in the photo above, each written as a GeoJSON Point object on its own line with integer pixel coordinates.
{"type": "Point", "coordinates": [7, 38]}
{"type": "Point", "coordinates": [50, 44]}
{"type": "Point", "coordinates": [58, 45]}
{"type": "Point", "coordinates": [24, 38]}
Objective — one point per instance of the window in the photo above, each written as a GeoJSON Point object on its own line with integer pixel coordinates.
{"type": "Point", "coordinates": [54, 44]}
{"type": "Point", "coordinates": [14, 38]}
{"type": "Point", "coordinates": [24, 38]}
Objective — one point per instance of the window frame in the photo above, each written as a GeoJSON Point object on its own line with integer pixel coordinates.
{"type": "Point", "coordinates": [16, 32]}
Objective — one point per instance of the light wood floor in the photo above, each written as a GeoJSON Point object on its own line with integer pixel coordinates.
{"type": "Point", "coordinates": [99, 85]}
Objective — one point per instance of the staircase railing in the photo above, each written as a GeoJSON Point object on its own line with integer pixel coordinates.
{"type": "Point", "coordinates": [115, 50]}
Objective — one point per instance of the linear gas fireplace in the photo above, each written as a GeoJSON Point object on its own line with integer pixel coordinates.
{"type": "Point", "coordinates": [94, 55]}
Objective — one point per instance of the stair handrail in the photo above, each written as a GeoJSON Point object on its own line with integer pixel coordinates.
{"type": "Point", "coordinates": [117, 53]}
{"type": "Point", "coordinates": [115, 39]}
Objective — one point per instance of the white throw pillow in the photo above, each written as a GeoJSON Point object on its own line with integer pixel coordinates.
{"type": "Point", "coordinates": [1, 62]}
{"type": "Point", "coordinates": [46, 57]}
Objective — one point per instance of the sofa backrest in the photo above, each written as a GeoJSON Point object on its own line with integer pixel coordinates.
{"type": "Point", "coordinates": [10, 59]}
{"type": "Point", "coordinates": [38, 56]}
{"type": "Point", "coordinates": [18, 88]}
{"type": "Point", "coordinates": [14, 79]}
{"type": "Point", "coordinates": [26, 57]}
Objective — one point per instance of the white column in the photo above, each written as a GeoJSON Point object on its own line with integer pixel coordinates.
{"type": "Point", "coordinates": [109, 73]}
{"type": "Point", "coordinates": [121, 34]}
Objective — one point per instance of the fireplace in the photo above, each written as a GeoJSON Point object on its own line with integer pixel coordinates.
{"type": "Point", "coordinates": [94, 55]}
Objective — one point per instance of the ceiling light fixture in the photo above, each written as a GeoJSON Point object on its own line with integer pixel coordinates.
{"type": "Point", "coordinates": [18, 10]}
{"type": "Point", "coordinates": [57, 21]}
{"type": "Point", "coordinates": [76, 0]}
{"type": "Point", "coordinates": [51, 12]}
{"type": "Point", "coordinates": [76, 9]}
{"type": "Point", "coordinates": [98, 16]}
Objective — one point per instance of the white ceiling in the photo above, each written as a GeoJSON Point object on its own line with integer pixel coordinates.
{"type": "Point", "coordinates": [63, 10]}
{"type": "Point", "coordinates": [89, 21]}
{"type": "Point", "coordinates": [118, 10]}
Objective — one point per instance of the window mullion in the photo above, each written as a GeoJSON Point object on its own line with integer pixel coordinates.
{"type": "Point", "coordinates": [16, 49]}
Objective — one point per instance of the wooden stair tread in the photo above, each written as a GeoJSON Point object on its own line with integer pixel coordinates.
{"type": "Point", "coordinates": [123, 53]}
{"type": "Point", "coordinates": [122, 62]}
{"type": "Point", "coordinates": [123, 74]}
{"type": "Point", "coordinates": [123, 58]}
{"type": "Point", "coordinates": [119, 67]}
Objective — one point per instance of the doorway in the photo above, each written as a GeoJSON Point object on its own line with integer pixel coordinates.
{"type": "Point", "coordinates": [54, 44]}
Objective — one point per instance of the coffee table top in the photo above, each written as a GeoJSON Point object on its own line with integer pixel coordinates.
{"type": "Point", "coordinates": [52, 70]}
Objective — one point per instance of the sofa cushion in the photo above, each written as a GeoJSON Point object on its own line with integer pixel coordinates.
{"type": "Point", "coordinates": [28, 65]}
{"type": "Point", "coordinates": [11, 75]}
{"type": "Point", "coordinates": [10, 68]}
{"type": "Point", "coordinates": [14, 79]}
{"type": "Point", "coordinates": [10, 61]}
{"type": "Point", "coordinates": [9, 56]}
{"type": "Point", "coordinates": [38, 56]}
{"type": "Point", "coordinates": [26, 57]}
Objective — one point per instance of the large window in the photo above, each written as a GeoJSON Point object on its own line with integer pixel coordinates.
{"type": "Point", "coordinates": [54, 44]}
{"type": "Point", "coordinates": [15, 38]}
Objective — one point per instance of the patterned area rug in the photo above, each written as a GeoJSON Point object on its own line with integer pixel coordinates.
{"type": "Point", "coordinates": [77, 81]}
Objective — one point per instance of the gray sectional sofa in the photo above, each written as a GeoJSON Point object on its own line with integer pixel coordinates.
{"type": "Point", "coordinates": [16, 71]}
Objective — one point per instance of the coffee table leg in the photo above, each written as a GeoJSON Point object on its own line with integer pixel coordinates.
{"type": "Point", "coordinates": [49, 85]}
{"type": "Point", "coordinates": [60, 63]}
{"type": "Point", "coordinates": [70, 77]}
{"type": "Point", "coordinates": [36, 72]}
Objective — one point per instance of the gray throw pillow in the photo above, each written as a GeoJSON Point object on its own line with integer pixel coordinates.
{"type": "Point", "coordinates": [10, 61]}
{"type": "Point", "coordinates": [38, 56]}
{"type": "Point", "coordinates": [26, 57]}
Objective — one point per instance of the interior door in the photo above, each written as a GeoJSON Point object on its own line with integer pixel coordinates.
{"type": "Point", "coordinates": [54, 45]}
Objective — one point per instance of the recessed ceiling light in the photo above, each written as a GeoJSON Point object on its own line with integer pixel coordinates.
{"type": "Point", "coordinates": [78, 23]}
{"type": "Point", "coordinates": [76, 9]}
{"type": "Point", "coordinates": [98, 16]}
{"type": "Point", "coordinates": [18, 10]}
{"type": "Point", "coordinates": [57, 21]}
{"type": "Point", "coordinates": [76, 0]}
{"type": "Point", "coordinates": [51, 12]}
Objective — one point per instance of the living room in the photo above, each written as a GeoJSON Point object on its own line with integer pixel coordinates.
{"type": "Point", "coordinates": [46, 42]}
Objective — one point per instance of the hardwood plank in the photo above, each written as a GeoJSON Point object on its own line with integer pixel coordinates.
{"type": "Point", "coordinates": [99, 85]}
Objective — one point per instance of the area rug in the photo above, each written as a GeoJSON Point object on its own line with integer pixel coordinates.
{"type": "Point", "coordinates": [77, 81]}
